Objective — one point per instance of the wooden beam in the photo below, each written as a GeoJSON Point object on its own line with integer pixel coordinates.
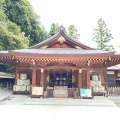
{"type": "Point", "coordinates": [25, 67]}
{"type": "Point", "coordinates": [17, 74]}
{"type": "Point", "coordinates": [112, 63]}
{"type": "Point", "coordinates": [61, 67]}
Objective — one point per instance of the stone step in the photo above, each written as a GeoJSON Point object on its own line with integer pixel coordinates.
{"type": "Point", "coordinates": [71, 102]}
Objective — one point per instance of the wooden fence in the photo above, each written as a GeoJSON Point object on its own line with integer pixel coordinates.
{"type": "Point", "coordinates": [113, 91]}
{"type": "Point", "coordinates": [6, 85]}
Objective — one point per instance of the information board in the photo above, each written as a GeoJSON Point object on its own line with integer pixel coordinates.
{"type": "Point", "coordinates": [37, 90]}
{"type": "Point", "coordinates": [85, 92]}
{"type": "Point", "coordinates": [60, 91]}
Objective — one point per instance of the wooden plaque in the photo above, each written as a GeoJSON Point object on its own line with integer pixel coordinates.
{"type": "Point", "coordinates": [85, 92]}
{"type": "Point", "coordinates": [60, 91]}
{"type": "Point", "coordinates": [37, 90]}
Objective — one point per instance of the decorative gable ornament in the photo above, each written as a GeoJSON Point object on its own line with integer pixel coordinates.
{"type": "Point", "coordinates": [77, 47]}
{"type": "Point", "coordinates": [44, 46]}
{"type": "Point", "coordinates": [61, 39]}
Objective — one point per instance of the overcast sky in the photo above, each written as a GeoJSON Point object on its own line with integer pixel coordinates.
{"type": "Point", "coordinates": [84, 14]}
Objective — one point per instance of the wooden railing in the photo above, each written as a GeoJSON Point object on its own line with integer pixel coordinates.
{"type": "Point", "coordinates": [6, 85]}
{"type": "Point", "coordinates": [113, 91]}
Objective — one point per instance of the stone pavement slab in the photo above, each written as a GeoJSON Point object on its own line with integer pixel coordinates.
{"type": "Point", "coordinates": [7, 98]}
{"type": "Point", "coordinates": [5, 93]}
{"type": "Point", "coordinates": [49, 112]}
{"type": "Point", "coordinates": [97, 101]}
{"type": "Point", "coordinates": [15, 100]}
{"type": "Point", "coordinates": [116, 99]}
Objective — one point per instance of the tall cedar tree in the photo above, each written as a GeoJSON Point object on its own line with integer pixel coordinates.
{"type": "Point", "coordinates": [53, 29]}
{"type": "Point", "coordinates": [102, 36]}
{"type": "Point", "coordinates": [72, 31]}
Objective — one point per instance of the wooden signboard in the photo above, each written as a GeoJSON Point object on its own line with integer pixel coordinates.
{"type": "Point", "coordinates": [60, 91]}
{"type": "Point", "coordinates": [37, 90]}
{"type": "Point", "coordinates": [86, 93]}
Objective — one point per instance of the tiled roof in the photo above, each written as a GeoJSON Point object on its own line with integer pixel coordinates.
{"type": "Point", "coordinates": [3, 51]}
{"type": "Point", "coordinates": [59, 51]}
{"type": "Point", "coordinates": [116, 67]}
{"type": "Point", "coordinates": [117, 53]}
{"type": "Point", "coordinates": [61, 31]}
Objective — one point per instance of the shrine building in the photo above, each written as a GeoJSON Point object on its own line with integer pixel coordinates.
{"type": "Point", "coordinates": [61, 61]}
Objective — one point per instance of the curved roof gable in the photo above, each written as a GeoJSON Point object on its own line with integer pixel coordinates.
{"type": "Point", "coordinates": [61, 36]}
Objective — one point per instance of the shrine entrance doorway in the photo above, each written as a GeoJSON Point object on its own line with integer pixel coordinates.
{"type": "Point", "coordinates": [60, 79]}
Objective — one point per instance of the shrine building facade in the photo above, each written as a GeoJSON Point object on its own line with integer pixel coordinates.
{"type": "Point", "coordinates": [62, 61]}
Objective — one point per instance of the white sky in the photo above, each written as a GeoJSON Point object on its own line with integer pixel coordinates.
{"type": "Point", "coordinates": [84, 14]}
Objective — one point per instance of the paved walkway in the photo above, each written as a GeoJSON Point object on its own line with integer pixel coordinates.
{"type": "Point", "coordinates": [6, 98]}
{"type": "Point", "coordinates": [97, 101]}
{"type": "Point", "coordinates": [38, 112]}
{"type": "Point", "coordinates": [5, 93]}
{"type": "Point", "coordinates": [19, 108]}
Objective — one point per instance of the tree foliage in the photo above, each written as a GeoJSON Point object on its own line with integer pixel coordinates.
{"type": "Point", "coordinates": [10, 35]}
{"type": "Point", "coordinates": [72, 31]}
{"type": "Point", "coordinates": [2, 18]}
{"type": "Point", "coordinates": [4, 67]}
{"type": "Point", "coordinates": [102, 36]}
{"type": "Point", "coordinates": [22, 13]}
{"type": "Point", "coordinates": [13, 38]}
{"type": "Point", "coordinates": [53, 29]}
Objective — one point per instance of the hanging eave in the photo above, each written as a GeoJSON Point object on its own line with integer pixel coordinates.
{"type": "Point", "coordinates": [59, 54]}
{"type": "Point", "coordinates": [115, 59]}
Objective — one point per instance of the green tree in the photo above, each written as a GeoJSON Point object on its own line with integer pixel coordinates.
{"type": "Point", "coordinates": [72, 31]}
{"type": "Point", "coordinates": [102, 36]}
{"type": "Point", "coordinates": [53, 29]}
{"type": "Point", "coordinates": [13, 38]}
{"type": "Point", "coordinates": [10, 35]}
{"type": "Point", "coordinates": [22, 13]}
{"type": "Point", "coordinates": [2, 18]}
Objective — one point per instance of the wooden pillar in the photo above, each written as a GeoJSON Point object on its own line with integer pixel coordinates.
{"type": "Point", "coordinates": [42, 77]}
{"type": "Point", "coordinates": [34, 76]}
{"type": "Point", "coordinates": [39, 76]}
{"type": "Point", "coordinates": [79, 78]}
{"type": "Point", "coordinates": [105, 78]}
{"type": "Point", "coordinates": [115, 78]}
{"type": "Point", "coordinates": [17, 74]}
{"type": "Point", "coordinates": [88, 78]}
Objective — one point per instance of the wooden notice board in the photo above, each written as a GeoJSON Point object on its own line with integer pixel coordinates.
{"type": "Point", "coordinates": [86, 93]}
{"type": "Point", "coordinates": [37, 90]}
{"type": "Point", "coordinates": [60, 91]}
